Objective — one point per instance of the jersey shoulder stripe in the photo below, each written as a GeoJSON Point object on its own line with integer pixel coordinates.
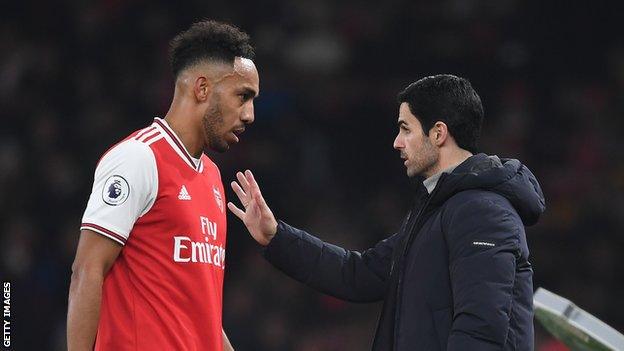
{"type": "Point", "coordinates": [144, 131]}
{"type": "Point", "coordinates": [152, 138]}
{"type": "Point", "coordinates": [149, 135]}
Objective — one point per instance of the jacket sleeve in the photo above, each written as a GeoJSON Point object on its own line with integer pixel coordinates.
{"type": "Point", "coordinates": [348, 275]}
{"type": "Point", "coordinates": [482, 238]}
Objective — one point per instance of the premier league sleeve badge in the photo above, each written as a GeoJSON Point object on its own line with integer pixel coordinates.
{"type": "Point", "coordinates": [115, 191]}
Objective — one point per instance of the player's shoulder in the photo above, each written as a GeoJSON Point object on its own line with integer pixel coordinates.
{"type": "Point", "coordinates": [134, 150]}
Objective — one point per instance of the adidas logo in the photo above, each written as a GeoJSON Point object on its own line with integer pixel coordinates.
{"type": "Point", "coordinates": [184, 194]}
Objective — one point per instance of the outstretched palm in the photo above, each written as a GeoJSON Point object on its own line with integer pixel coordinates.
{"type": "Point", "coordinates": [257, 215]}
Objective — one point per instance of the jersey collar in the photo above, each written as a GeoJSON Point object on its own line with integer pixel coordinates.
{"type": "Point", "coordinates": [177, 145]}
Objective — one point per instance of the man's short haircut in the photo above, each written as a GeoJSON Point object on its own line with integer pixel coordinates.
{"type": "Point", "coordinates": [208, 41]}
{"type": "Point", "coordinates": [449, 99]}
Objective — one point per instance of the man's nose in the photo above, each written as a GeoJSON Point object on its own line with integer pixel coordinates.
{"type": "Point", "coordinates": [248, 114]}
{"type": "Point", "coordinates": [397, 144]}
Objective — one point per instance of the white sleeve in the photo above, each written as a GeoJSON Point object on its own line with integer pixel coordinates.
{"type": "Point", "coordinates": [124, 189]}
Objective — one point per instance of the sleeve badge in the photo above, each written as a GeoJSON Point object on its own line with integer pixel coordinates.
{"type": "Point", "coordinates": [115, 191]}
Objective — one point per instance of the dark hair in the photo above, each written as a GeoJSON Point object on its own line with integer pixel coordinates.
{"type": "Point", "coordinates": [208, 40]}
{"type": "Point", "coordinates": [449, 99]}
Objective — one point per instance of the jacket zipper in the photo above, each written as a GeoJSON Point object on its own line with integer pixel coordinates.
{"type": "Point", "coordinates": [417, 223]}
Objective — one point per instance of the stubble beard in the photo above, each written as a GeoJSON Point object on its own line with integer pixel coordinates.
{"type": "Point", "coordinates": [426, 162]}
{"type": "Point", "coordinates": [212, 123]}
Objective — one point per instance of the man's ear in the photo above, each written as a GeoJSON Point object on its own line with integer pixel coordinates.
{"type": "Point", "coordinates": [202, 88]}
{"type": "Point", "coordinates": [439, 133]}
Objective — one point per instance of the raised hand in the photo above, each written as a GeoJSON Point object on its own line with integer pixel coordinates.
{"type": "Point", "coordinates": [257, 216]}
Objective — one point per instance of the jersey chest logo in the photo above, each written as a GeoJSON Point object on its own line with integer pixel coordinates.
{"type": "Point", "coordinates": [184, 194]}
{"type": "Point", "coordinates": [207, 251]}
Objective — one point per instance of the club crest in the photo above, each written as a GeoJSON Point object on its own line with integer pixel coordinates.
{"type": "Point", "coordinates": [218, 198]}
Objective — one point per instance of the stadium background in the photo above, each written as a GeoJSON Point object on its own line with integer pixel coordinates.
{"type": "Point", "coordinates": [77, 76]}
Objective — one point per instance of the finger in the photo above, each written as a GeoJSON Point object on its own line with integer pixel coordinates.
{"type": "Point", "coordinates": [255, 188]}
{"type": "Point", "coordinates": [242, 196]}
{"type": "Point", "coordinates": [256, 193]}
{"type": "Point", "coordinates": [243, 181]}
{"type": "Point", "coordinates": [260, 199]}
{"type": "Point", "coordinates": [249, 177]}
{"type": "Point", "coordinates": [236, 211]}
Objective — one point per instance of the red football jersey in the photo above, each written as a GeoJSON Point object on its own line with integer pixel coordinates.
{"type": "Point", "coordinates": [164, 291]}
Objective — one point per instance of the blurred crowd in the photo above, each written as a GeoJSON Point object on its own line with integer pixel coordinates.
{"type": "Point", "coordinates": [77, 76]}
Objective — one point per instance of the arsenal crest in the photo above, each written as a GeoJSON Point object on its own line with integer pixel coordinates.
{"type": "Point", "coordinates": [218, 198]}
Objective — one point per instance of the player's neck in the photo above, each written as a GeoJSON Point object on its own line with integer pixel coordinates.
{"type": "Point", "coordinates": [188, 134]}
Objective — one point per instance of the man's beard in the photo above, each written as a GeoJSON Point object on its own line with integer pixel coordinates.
{"type": "Point", "coordinates": [426, 163]}
{"type": "Point", "coordinates": [213, 122]}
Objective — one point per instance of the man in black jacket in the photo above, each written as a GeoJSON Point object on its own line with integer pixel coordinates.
{"type": "Point", "coordinates": [456, 276]}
